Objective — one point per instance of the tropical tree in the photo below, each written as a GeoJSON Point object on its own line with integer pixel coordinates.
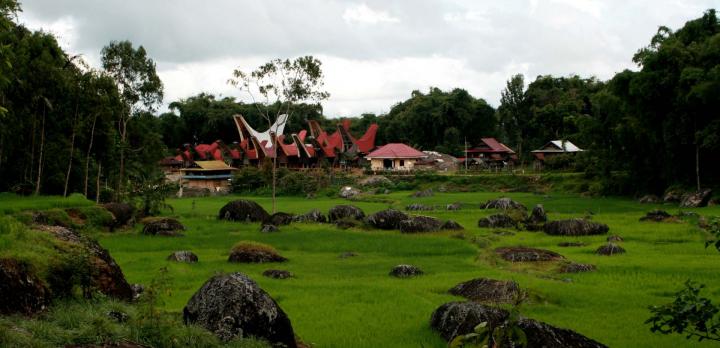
{"type": "Point", "coordinates": [282, 84]}
{"type": "Point", "coordinates": [140, 88]}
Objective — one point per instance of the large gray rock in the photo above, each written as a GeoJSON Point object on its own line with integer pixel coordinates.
{"type": "Point", "coordinates": [502, 203]}
{"type": "Point", "coordinates": [451, 225]}
{"type": "Point", "coordinates": [340, 212]}
{"type": "Point", "coordinates": [697, 199]}
{"type": "Point", "coordinates": [419, 207]}
{"type": "Point", "coordinates": [122, 212]}
{"type": "Point", "coordinates": [163, 227]}
{"type": "Point", "coordinates": [314, 215]}
{"type": "Point", "coordinates": [405, 271]}
{"type": "Point", "coordinates": [183, 256]}
{"type": "Point", "coordinates": [232, 305]}
{"type": "Point", "coordinates": [376, 180]}
{"type": "Point", "coordinates": [21, 290]}
{"type": "Point", "coordinates": [575, 227]}
{"type": "Point", "coordinates": [610, 249]}
{"type": "Point", "coordinates": [278, 219]}
{"type": "Point", "coordinates": [649, 199]}
{"type": "Point", "coordinates": [656, 215]}
{"type": "Point", "coordinates": [423, 193]}
{"type": "Point", "coordinates": [487, 290]}
{"type": "Point", "coordinates": [459, 318]}
{"type": "Point", "coordinates": [243, 210]}
{"type": "Point", "coordinates": [348, 192]}
{"type": "Point", "coordinates": [523, 254]}
{"type": "Point", "coordinates": [388, 219]}
{"type": "Point", "coordinates": [497, 221]}
{"type": "Point", "coordinates": [538, 215]}
{"type": "Point", "coordinates": [419, 224]}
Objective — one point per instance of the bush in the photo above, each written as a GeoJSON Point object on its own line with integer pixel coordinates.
{"type": "Point", "coordinates": [564, 161]}
{"type": "Point", "coordinates": [248, 179]}
{"type": "Point", "coordinates": [250, 246]}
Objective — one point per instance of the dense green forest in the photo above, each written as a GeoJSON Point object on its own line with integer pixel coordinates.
{"type": "Point", "coordinates": [70, 128]}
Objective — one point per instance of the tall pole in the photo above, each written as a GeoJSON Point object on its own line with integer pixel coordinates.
{"type": "Point", "coordinates": [466, 155]}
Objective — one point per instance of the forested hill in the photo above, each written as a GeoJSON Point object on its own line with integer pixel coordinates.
{"type": "Point", "coordinates": [68, 128]}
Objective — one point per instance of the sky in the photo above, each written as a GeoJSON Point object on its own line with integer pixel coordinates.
{"type": "Point", "coordinates": [373, 53]}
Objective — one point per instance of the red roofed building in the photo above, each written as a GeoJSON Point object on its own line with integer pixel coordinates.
{"type": "Point", "coordinates": [394, 156]}
{"type": "Point", "coordinates": [491, 152]}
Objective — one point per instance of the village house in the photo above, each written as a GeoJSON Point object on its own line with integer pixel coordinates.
{"type": "Point", "coordinates": [490, 153]}
{"type": "Point", "coordinates": [394, 156]}
{"type": "Point", "coordinates": [553, 148]}
{"type": "Point", "coordinates": [206, 177]}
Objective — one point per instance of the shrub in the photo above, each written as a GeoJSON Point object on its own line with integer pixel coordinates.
{"type": "Point", "coordinates": [250, 246]}
{"type": "Point", "coordinates": [247, 179]}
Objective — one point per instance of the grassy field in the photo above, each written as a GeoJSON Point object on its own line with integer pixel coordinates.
{"type": "Point", "coordinates": [352, 302]}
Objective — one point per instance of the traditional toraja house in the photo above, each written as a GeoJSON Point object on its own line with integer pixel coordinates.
{"type": "Point", "coordinates": [394, 156]}
{"type": "Point", "coordinates": [210, 176]}
{"type": "Point", "coordinates": [553, 148]}
{"type": "Point", "coordinates": [490, 153]}
{"type": "Point", "coordinates": [302, 150]}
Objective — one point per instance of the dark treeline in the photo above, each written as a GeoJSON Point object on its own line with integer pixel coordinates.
{"type": "Point", "coordinates": [67, 128]}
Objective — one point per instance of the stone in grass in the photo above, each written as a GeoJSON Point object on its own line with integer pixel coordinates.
{"type": "Point", "coordinates": [21, 290]}
{"type": "Point", "coordinates": [538, 215]}
{"type": "Point", "coordinates": [649, 199]}
{"type": "Point", "coordinates": [344, 211]}
{"type": "Point", "coordinates": [344, 224]}
{"type": "Point", "coordinates": [279, 218]}
{"type": "Point", "coordinates": [571, 244]}
{"type": "Point", "coordinates": [615, 238]}
{"type": "Point", "coordinates": [575, 227]}
{"type": "Point", "coordinates": [253, 252]}
{"type": "Point", "coordinates": [503, 203]}
{"type": "Point", "coordinates": [232, 305]}
{"type": "Point", "coordinates": [454, 206]}
{"type": "Point", "coordinates": [347, 254]}
{"type": "Point", "coordinates": [243, 210]}
{"type": "Point", "coordinates": [451, 225]}
{"type": "Point", "coordinates": [610, 249]}
{"type": "Point", "coordinates": [460, 318]}
{"type": "Point", "coordinates": [183, 256]}
{"type": "Point", "coordinates": [497, 221]}
{"type": "Point", "coordinates": [697, 199]}
{"type": "Point", "coordinates": [423, 193]}
{"type": "Point", "coordinates": [313, 215]}
{"type": "Point", "coordinates": [405, 271]}
{"type": "Point", "coordinates": [523, 254]}
{"type": "Point", "coordinates": [420, 224]}
{"type": "Point", "coordinates": [277, 274]}
{"type": "Point", "coordinates": [487, 290]}
{"type": "Point", "coordinates": [572, 267]}
{"type": "Point", "coordinates": [268, 228]}
{"type": "Point", "coordinates": [656, 215]}
{"type": "Point", "coordinates": [388, 219]}
{"type": "Point", "coordinates": [168, 227]}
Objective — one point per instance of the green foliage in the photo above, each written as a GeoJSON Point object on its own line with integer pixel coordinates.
{"type": "Point", "coordinates": [713, 228]}
{"type": "Point", "coordinates": [507, 334]}
{"type": "Point", "coordinates": [149, 195]}
{"type": "Point", "coordinates": [689, 314]}
{"type": "Point", "coordinates": [247, 179]}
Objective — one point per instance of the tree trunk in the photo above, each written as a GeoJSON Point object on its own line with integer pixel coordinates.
{"type": "Point", "coordinates": [87, 156]}
{"type": "Point", "coordinates": [123, 139]}
{"type": "Point", "coordinates": [40, 154]}
{"type": "Point", "coordinates": [72, 151]}
{"type": "Point", "coordinates": [97, 184]}
{"type": "Point", "coordinates": [32, 152]}
{"type": "Point", "coordinates": [697, 164]}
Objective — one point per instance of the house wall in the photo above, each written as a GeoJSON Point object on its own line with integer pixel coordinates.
{"type": "Point", "coordinates": [377, 164]}
{"type": "Point", "coordinates": [214, 185]}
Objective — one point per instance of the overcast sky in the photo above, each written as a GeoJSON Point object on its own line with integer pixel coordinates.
{"type": "Point", "coordinates": [374, 53]}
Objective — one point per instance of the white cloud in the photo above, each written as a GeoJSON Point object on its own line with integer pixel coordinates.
{"type": "Point", "coordinates": [361, 13]}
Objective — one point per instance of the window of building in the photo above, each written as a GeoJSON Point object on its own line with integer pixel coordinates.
{"type": "Point", "coordinates": [402, 163]}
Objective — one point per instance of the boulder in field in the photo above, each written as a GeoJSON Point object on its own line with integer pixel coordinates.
{"type": "Point", "coordinates": [253, 252]}
{"type": "Point", "coordinates": [279, 218]}
{"type": "Point", "coordinates": [610, 249]}
{"type": "Point", "coordinates": [451, 225]}
{"type": "Point", "coordinates": [268, 228]}
{"type": "Point", "coordinates": [163, 227]}
{"type": "Point", "coordinates": [21, 290]}
{"type": "Point", "coordinates": [454, 206]}
{"type": "Point", "coordinates": [375, 181]}
{"type": "Point", "coordinates": [649, 199]}
{"type": "Point", "coordinates": [313, 215]}
{"type": "Point", "coordinates": [656, 215]}
{"type": "Point", "coordinates": [183, 256]}
{"type": "Point", "coordinates": [572, 267]}
{"type": "Point", "coordinates": [106, 275]}
{"type": "Point", "coordinates": [460, 318]}
{"type": "Point", "coordinates": [615, 238]}
{"type": "Point", "coordinates": [388, 219]}
{"type": "Point", "coordinates": [503, 203]}
{"type": "Point", "coordinates": [571, 244]}
{"type": "Point", "coordinates": [497, 221]}
{"type": "Point", "coordinates": [523, 254]}
{"type": "Point", "coordinates": [424, 193]}
{"type": "Point", "coordinates": [344, 224]}
{"type": "Point", "coordinates": [538, 215]}
{"type": "Point", "coordinates": [277, 274]}
{"type": "Point", "coordinates": [405, 271]}
{"type": "Point", "coordinates": [419, 224]}
{"type": "Point", "coordinates": [232, 305]}
{"type": "Point", "coordinates": [347, 254]}
{"type": "Point", "coordinates": [243, 210]}
{"type": "Point", "coordinates": [673, 196]}
{"type": "Point", "coordinates": [697, 199]}
{"type": "Point", "coordinates": [342, 211]}
{"type": "Point", "coordinates": [348, 192]}
{"type": "Point", "coordinates": [575, 227]}
{"type": "Point", "coordinates": [487, 290]}
{"type": "Point", "coordinates": [122, 212]}
{"type": "Point", "coordinates": [418, 207]}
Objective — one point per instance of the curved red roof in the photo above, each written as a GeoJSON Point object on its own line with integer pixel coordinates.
{"type": "Point", "coordinates": [396, 150]}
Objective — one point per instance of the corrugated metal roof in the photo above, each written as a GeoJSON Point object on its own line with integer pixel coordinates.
{"type": "Point", "coordinates": [559, 146]}
{"type": "Point", "coordinates": [213, 165]}
{"type": "Point", "coordinates": [396, 150]}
